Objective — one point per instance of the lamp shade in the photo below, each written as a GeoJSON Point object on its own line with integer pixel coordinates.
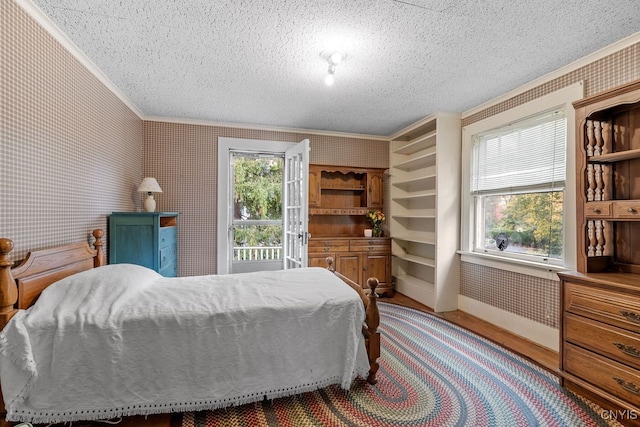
{"type": "Point", "coordinates": [149, 185]}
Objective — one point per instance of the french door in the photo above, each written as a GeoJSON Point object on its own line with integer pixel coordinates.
{"type": "Point", "coordinates": [261, 227]}
{"type": "Point", "coordinates": [296, 219]}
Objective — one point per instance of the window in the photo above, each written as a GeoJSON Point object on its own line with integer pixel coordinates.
{"type": "Point", "coordinates": [518, 174]}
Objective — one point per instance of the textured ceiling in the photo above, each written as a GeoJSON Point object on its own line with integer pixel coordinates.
{"type": "Point", "coordinates": [258, 62]}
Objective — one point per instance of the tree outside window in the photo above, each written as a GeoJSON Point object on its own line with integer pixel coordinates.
{"type": "Point", "coordinates": [257, 200]}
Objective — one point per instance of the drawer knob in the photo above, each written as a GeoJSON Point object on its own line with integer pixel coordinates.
{"type": "Point", "coordinates": [628, 385]}
{"type": "Point", "coordinates": [596, 210]}
{"type": "Point", "coordinates": [631, 210]}
{"type": "Point", "coordinates": [631, 316]}
{"type": "Point", "coordinates": [627, 349]}
{"type": "Point", "coordinates": [326, 249]}
{"type": "Point", "coordinates": [326, 243]}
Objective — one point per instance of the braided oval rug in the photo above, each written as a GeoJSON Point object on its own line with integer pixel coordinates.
{"type": "Point", "coordinates": [432, 373]}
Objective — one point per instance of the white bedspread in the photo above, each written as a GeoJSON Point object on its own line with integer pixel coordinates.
{"type": "Point", "coordinates": [123, 340]}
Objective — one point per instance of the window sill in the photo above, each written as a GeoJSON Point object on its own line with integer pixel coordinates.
{"type": "Point", "coordinates": [537, 269]}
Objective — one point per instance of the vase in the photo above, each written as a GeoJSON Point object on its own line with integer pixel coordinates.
{"type": "Point", "coordinates": [377, 230]}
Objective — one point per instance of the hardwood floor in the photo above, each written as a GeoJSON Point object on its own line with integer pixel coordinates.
{"type": "Point", "coordinates": [540, 355]}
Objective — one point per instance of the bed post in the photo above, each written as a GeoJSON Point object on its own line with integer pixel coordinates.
{"type": "Point", "coordinates": [373, 321]}
{"type": "Point", "coordinates": [8, 288]}
{"type": "Point", "coordinates": [372, 318]}
{"type": "Point", "coordinates": [8, 298]}
{"type": "Point", "coordinates": [100, 258]}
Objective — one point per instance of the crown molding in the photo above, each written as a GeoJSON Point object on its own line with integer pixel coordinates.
{"type": "Point", "coordinates": [579, 63]}
{"type": "Point", "coordinates": [43, 20]}
{"type": "Point", "coordinates": [265, 128]}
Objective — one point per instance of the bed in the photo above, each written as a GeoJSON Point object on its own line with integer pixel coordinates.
{"type": "Point", "coordinates": [118, 340]}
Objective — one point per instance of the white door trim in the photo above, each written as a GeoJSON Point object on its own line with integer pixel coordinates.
{"type": "Point", "coordinates": [225, 145]}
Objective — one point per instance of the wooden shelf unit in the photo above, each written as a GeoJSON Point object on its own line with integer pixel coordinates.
{"type": "Point", "coordinates": [339, 200]}
{"type": "Point", "coordinates": [600, 303]}
{"type": "Point", "coordinates": [425, 210]}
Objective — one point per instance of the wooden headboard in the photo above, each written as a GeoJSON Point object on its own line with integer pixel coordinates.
{"type": "Point", "coordinates": [21, 285]}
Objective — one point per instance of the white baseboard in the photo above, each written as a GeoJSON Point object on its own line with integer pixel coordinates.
{"type": "Point", "coordinates": [537, 332]}
{"type": "Point", "coordinates": [415, 292]}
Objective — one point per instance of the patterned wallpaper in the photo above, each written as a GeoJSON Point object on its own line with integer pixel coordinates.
{"type": "Point", "coordinates": [606, 73]}
{"type": "Point", "coordinates": [71, 151]}
{"type": "Point", "coordinates": [183, 158]}
{"type": "Point", "coordinates": [531, 297]}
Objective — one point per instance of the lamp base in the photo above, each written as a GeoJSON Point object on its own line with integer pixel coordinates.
{"type": "Point", "coordinates": [150, 203]}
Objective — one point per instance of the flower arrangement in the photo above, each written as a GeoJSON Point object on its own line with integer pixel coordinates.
{"type": "Point", "coordinates": [376, 218]}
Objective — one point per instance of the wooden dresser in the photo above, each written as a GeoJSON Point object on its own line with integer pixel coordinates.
{"type": "Point", "coordinates": [600, 335]}
{"type": "Point", "coordinates": [600, 303]}
{"type": "Point", "coordinates": [149, 239]}
{"type": "Point", "coordinates": [358, 258]}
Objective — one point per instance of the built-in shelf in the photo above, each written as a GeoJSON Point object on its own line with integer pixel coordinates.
{"type": "Point", "coordinates": [415, 145]}
{"type": "Point", "coordinates": [415, 280]}
{"type": "Point", "coordinates": [615, 157]}
{"type": "Point", "coordinates": [423, 160]}
{"type": "Point", "coordinates": [425, 185]}
{"type": "Point", "coordinates": [414, 196]}
{"type": "Point", "coordinates": [417, 214]}
{"type": "Point", "coordinates": [417, 259]}
{"type": "Point", "coordinates": [416, 182]}
{"type": "Point", "coordinates": [415, 239]}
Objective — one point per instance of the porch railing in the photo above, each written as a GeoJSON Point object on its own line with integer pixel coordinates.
{"type": "Point", "coordinates": [257, 253]}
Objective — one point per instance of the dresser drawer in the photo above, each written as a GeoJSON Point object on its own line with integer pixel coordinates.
{"type": "Point", "coordinates": [613, 377]}
{"type": "Point", "coordinates": [370, 244]}
{"type": "Point", "coordinates": [627, 209]}
{"type": "Point", "coordinates": [616, 343]}
{"type": "Point", "coordinates": [328, 245]}
{"type": "Point", "coordinates": [167, 256]}
{"type": "Point", "coordinates": [614, 308]}
{"type": "Point", "coordinates": [598, 210]}
{"type": "Point", "coordinates": [167, 236]}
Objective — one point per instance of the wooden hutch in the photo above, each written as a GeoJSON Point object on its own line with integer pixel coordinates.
{"type": "Point", "coordinates": [600, 303]}
{"type": "Point", "coordinates": [339, 199]}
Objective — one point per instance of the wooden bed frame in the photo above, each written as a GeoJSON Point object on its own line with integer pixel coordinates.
{"type": "Point", "coordinates": [21, 285]}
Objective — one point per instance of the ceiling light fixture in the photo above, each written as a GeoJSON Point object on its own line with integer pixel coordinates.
{"type": "Point", "coordinates": [333, 58]}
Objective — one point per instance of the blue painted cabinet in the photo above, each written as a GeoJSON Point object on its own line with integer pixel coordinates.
{"type": "Point", "coordinates": [145, 238]}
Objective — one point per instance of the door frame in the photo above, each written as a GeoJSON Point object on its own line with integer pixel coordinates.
{"type": "Point", "coordinates": [225, 146]}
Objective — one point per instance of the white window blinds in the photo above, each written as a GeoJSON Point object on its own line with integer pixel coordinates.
{"type": "Point", "coordinates": [529, 154]}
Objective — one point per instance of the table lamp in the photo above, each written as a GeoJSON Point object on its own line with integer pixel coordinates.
{"type": "Point", "coordinates": [149, 186]}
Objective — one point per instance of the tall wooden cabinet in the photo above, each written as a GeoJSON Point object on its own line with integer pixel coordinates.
{"type": "Point", "coordinates": [339, 199]}
{"type": "Point", "coordinates": [600, 303]}
{"type": "Point", "coordinates": [425, 210]}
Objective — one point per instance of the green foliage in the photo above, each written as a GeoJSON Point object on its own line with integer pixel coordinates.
{"type": "Point", "coordinates": [258, 196]}
{"type": "Point", "coordinates": [532, 221]}
{"type": "Point", "coordinates": [258, 188]}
